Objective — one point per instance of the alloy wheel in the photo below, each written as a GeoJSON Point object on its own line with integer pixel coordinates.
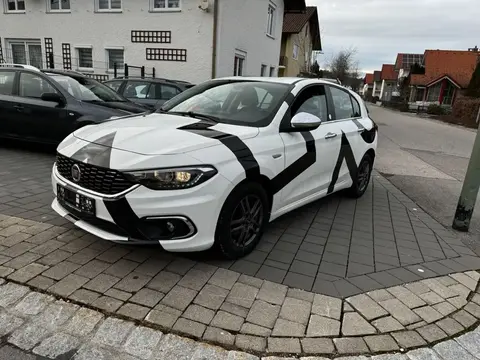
{"type": "Point", "coordinates": [247, 220]}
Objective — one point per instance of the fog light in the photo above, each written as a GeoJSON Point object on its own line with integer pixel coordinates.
{"type": "Point", "coordinates": [170, 227]}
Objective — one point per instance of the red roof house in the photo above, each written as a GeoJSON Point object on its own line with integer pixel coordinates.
{"type": "Point", "coordinates": [388, 72]}
{"type": "Point", "coordinates": [368, 79]}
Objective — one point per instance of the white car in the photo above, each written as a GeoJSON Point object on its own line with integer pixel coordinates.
{"type": "Point", "coordinates": [216, 164]}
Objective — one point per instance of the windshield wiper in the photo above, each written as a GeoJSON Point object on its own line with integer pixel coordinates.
{"type": "Point", "coordinates": [193, 114]}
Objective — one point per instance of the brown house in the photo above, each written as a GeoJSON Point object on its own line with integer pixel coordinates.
{"type": "Point", "coordinates": [300, 37]}
{"type": "Point", "coordinates": [446, 72]}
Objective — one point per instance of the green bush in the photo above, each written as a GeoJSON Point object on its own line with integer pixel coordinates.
{"type": "Point", "coordinates": [434, 109]}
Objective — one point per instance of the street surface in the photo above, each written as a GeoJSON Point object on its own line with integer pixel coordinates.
{"type": "Point", "coordinates": [427, 160]}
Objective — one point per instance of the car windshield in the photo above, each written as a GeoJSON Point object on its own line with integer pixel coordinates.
{"type": "Point", "coordinates": [86, 89]}
{"type": "Point", "coordinates": [247, 103]}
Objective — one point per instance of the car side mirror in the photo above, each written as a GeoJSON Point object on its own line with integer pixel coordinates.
{"type": "Point", "coordinates": [53, 97]}
{"type": "Point", "coordinates": [305, 121]}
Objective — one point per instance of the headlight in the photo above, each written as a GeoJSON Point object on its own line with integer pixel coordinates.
{"type": "Point", "coordinates": [171, 179]}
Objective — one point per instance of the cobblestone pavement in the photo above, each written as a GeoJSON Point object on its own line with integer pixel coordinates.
{"type": "Point", "coordinates": [337, 246]}
{"type": "Point", "coordinates": [36, 326]}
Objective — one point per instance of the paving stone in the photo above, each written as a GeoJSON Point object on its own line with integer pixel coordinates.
{"type": "Point", "coordinates": [84, 296]}
{"type": "Point", "coordinates": [107, 303]}
{"type": "Point", "coordinates": [147, 297]}
{"type": "Point", "coordinates": [195, 279]}
{"type": "Point", "coordinates": [381, 343]}
{"type": "Point", "coordinates": [416, 325]}
{"type": "Point", "coordinates": [92, 268]}
{"type": "Point", "coordinates": [68, 285]}
{"type": "Point", "coordinates": [458, 301]}
{"type": "Point", "coordinates": [353, 324]}
{"type": "Point", "coordinates": [224, 278]}
{"type": "Point", "coordinates": [367, 307]}
{"type": "Point", "coordinates": [282, 345]}
{"type": "Point", "coordinates": [219, 336]}
{"type": "Point", "coordinates": [450, 326]}
{"type": "Point", "coordinates": [163, 317]}
{"type": "Point", "coordinates": [190, 327]}
{"type": "Point", "coordinates": [473, 274]}
{"type": "Point", "coordinates": [250, 280]}
{"type": "Point", "coordinates": [440, 289]}
{"type": "Point", "coordinates": [61, 270]}
{"type": "Point", "coordinates": [288, 329]}
{"type": "Point", "coordinates": [300, 295]}
{"type": "Point", "coordinates": [118, 294]}
{"type": "Point", "coordinates": [209, 352]}
{"type": "Point", "coordinates": [9, 322]}
{"type": "Point", "coordinates": [112, 332]}
{"type": "Point", "coordinates": [175, 347]}
{"type": "Point", "coordinates": [27, 337]}
{"type": "Point", "coordinates": [465, 280]}
{"type": "Point", "coordinates": [380, 295]}
{"type": "Point", "coordinates": [211, 296]}
{"type": "Point", "coordinates": [428, 313]}
{"type": "Point", "coordinates": [444, 308]}
{"type": "Point", "coordinates": [317, 346]}
{"type": "Point", "coordinates": [41, 282]}
{"type": "Point", "coordinates": [473, 309]}
{"type": "Point", "coordinates": [447, 280]}
{"type": "Point", "coordinates": [133, 311]}
{"type": "Point", "coordinates": [10, 293]}
{"type": "Point", "coordinates": [142, 342]}
{"type": "Point", "coordinates": [464, 318]}
{"type": "Point", "coordinates": [400, 311]}
{"type": "Point", "coordinates": [452, 350]}
{"type": "Point", "coordinates": [57, 345]}
{"type": "Point", "coordinates": [234, 309]}
{"type": "Point", "coordinates": [252, 329]}
{"type": "Point", "coordinates": [8, 352]}
{"type": "Point", "coordinates": [272, 293]}
{"type": "Point", "coordinates": [431, 333]}
{"type": "Point", "coordinates": [423, 354]}
{"type": "Point", "coordinates": [56, 314]}
{"type": "Point", "coordinates": [406, 296]}
{"type": "Point", "coordinates": [408, 339]}
{"type": "Point", "coordinates": [179, 297]}
{"type": "Point", "coordinates": [243, 295]}
{"type": "Point", "coordinates": [84, 256]}
{"type": "Point", "coordinates": [199, 314]}
{"type": "Point", "coordinates": [431, 298]}
{"type": "Point", "coordinates": [322, 326]}
{"type": "Point", "coordinates": [33, 304]}
{"type": "Point", "coordinates": [327, 306]}
{"type": "Point", "coordinates": [133, 282]}
{"type": "Point", "coordinates": [460, 290]}
{"type": "Point", "coordinates": [350, 345]}
{"type": "Point", "coordinates": [296, 310]}
{"type": "Point", "coordinates": [387, 324]}
{"type": "Point", "coordinates": [418, 287]}
{"type": "Point", "coordinates": [83, 322]}
{"type": "Point", "coordinates": [20, 261]}
{"type": "Point", "coordinates": [263, 314]}
{"type": "Point", "coordinates": [101, 283]}
{"type": "Point", "coordinates": [228, 321]}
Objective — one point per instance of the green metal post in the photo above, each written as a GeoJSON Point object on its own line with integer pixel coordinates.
{"type": "Point", "coordinates": [471, 185]}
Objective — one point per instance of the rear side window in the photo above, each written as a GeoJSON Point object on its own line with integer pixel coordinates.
{"type": "Point", "coordinates": [33, 86]}
{"type": "Point", "coordinates": [136, 89]}
{"type": "Point", "coordinates": [6, 82]}
{"type": "Point", "coordinates": [342, 102]}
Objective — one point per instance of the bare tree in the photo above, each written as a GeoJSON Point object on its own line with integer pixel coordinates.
{"type": "Point", "coordinates": [343, 65]}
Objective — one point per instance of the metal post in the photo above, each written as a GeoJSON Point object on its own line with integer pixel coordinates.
{"type": "Point", "coordinates": [153, 75]}
{"type": "Point", "coordinates": [142, 71]}
{"type": "Point", "coordinates": [478, 115]}
{"type": "Point", "coordinates": [126, 71]}
{"type": "Point", "coordinates": [50, 60]}
{"type": "Point", "coordinates": [114, 70]}
{"type": "Point", "coordinates": [471, 184]}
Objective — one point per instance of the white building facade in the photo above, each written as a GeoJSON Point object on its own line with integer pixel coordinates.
{"type": "Point", "coordinates": [190, 40]}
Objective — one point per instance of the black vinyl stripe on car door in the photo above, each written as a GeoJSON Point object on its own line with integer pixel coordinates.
{"type": "Point", "coordinates": [345, 153]}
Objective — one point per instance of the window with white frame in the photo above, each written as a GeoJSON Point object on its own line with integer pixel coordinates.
{"type": "Point", "coordinates": [239, 64]}
{"type": "Point", "coordinates": [15, 5]}
{"type": "Point", "coordinates": [263, 71]}
{"type": "Point", "coordinates": [271, 20]}
{"type": "Point", "coordinates": [109, 5]}
{"type": "Point", "coordinates": [21, 51]}
{"type": "Point", "coordinates": [162, 5]}
{"type": "Point", "coordinates": [295, 51]}
{"type": "Point", "coordinates": [58, 5]}
{"type": "Point", "coordinates": [85, 58]}
{"type": "Point", "coordinates": [115, 57]}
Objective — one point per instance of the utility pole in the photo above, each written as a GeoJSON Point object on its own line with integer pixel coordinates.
{"type": "Point", "coordinates": [471, 184]}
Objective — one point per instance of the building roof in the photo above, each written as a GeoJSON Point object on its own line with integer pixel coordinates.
{"type": "Point", "coordinates": [388, 72]}
{"type": "Point", "coordinates": [293, 23]}
{"type": "Point", "coordinates": [368, 79]}
{"type": "Point", "coordinates": [377, 75]}
{"type": "Point", "coordinates": [405, 61]}
{"type": "Point", "coordinates": [456, 65]}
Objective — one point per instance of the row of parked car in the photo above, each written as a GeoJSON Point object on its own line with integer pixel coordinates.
{"type": "Point", "coordinates": [30, 99]}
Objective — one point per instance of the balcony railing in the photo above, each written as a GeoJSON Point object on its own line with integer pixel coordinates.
{"type": "Point", "coordinates": [283, 61]}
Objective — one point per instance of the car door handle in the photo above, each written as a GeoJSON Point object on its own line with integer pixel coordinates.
{"type": "Point", "coordinates": [19, 107]}
{"type": "Point", "coordinates": [330, 135]}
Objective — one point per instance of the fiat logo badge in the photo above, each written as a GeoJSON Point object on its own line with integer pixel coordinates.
{"type": "Point", "coordinates": [76, 173]}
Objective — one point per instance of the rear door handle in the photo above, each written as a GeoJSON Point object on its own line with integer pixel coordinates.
{"type": "Point", "coordinates": [330, 135]}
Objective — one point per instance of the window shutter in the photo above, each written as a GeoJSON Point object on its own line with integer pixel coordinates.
{"type": "Point", "coordinates": [115, 56]}
{"type": "Point", "coordinates": [116, 4]}
{"type": "Point", "coordinates": [85, 58]}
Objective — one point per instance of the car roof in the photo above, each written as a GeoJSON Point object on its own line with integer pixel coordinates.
{"type": "Point", "coordinates": [280, 80]}
{"type": "Point", "coordinates": [152, 79]}
{"type": "Point", "coordinates": [19, 66]}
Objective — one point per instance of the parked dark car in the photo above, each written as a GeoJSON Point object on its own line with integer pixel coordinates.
{"type": "Point", "coordinates": [47, 105]}
{"type": "Point", "coordinates": [152, 92]}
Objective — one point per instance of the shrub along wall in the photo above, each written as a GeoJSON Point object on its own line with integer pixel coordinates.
{"type": "Point", "coordinates": [465, 110]}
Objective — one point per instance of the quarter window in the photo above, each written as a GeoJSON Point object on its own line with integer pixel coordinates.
{"type": "Point", "coordinates": [106, 5]}
{"type": "Point", "coordinates": [15, 5]}
{"type": "Point", "coordinates": [271, 20]}
{"type": "Point", "coordinates": [33, 86]}
{"type": "Point", "coordinates": [58, 5]}
{"type": "Point", "coordinates": [115, 56]}
{"type": "Point", "coordinates": [6, 82]}
{"type": "Point", "coordinates": [342, 103]}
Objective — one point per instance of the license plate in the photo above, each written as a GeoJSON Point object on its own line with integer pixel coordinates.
{"type": "Point", "coordinates": [76, 201]}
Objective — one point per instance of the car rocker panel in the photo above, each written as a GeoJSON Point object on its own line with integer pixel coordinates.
{"type": "Point", "coordinates": [200, 164]}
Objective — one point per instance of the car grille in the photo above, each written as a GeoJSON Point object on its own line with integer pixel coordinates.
{"type": "Point", "coordinates": [94, 178]}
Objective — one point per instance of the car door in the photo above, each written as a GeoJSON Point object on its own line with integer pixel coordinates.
{"type": "Point", "coordinates": [310, 155]}
{"type": "Point", "coordinates": [348, 118]}
{"type": "Point", "coordinates": [162, 93]}
{"type": "Point", "coordinates": [41, 120]}
{"type": "Point", "coordinates": [8, 112]}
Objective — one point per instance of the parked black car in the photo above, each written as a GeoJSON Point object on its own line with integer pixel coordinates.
{"type": "Point", "coordinates": [152, 92]}
{"type": "Point", "coordinates": [47, 105]}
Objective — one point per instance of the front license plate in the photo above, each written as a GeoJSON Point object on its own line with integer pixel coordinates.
{"type": "Point", "coordinates": [75, 201]}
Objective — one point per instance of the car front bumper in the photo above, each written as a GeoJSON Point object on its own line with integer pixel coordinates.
{"type": "Point", "coordinates": [137, 215]}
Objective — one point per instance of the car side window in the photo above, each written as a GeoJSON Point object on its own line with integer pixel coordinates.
{"type": "Point", "coordinates": [6, 82]}
{"type": "Point", "coordinates": [33, 86]}
{"type": "Point", "coordinates": [356, 108]}
{"type": "Point", "coordinates": [312, 100]}
{"type": "Point", "coordinates": [136, 89]}
{"type": "Point", "coordinates": [168, 92]}
{"type": "Point", "coordinates": [114, 85]}
{"type": "Point", "coordinates": [342, 103]}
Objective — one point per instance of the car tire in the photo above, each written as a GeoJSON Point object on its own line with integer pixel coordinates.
{"type": "Point", "coordinates": [363, 175]}
{"type": "Point", "coordinates": [247, 226]}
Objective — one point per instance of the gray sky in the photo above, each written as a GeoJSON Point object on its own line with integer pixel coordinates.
{"type": "Point", "coordinates": [379, 29]}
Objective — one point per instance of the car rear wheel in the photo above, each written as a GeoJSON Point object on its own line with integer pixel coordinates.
{"type": "Point", "coordinates": [364, 172]}
{"type": "Point", "coordinates": [242, 220]}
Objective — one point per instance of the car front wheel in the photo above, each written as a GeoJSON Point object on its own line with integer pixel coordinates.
{"type": "Point", "coordinates": [364, 172]}
{"type": "Point", "coordinates": [242, 220]}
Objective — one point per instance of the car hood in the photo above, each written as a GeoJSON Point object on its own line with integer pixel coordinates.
{"type": "Point", "coordinates": [121, 107]}
{"type": "Point", "coordinates": [161, 134]}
